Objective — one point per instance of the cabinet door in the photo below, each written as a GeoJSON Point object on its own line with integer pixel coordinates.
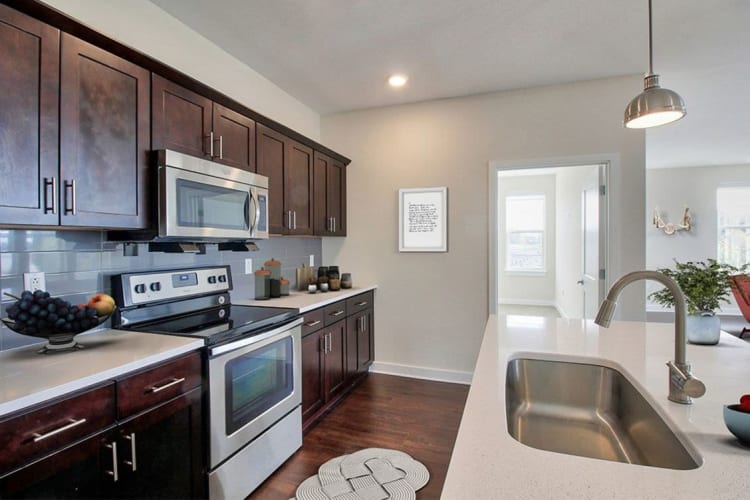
{"type": "Point", "coordinates": [298, 188]}
{"type": "Point", "coordinates": [312, 374]}
{"type": "Point", "coordinates": [271, 155]}
{"type": "Point", "coordinates": [160, 451]}
{"type": "Point", "coordinates": [335, 359]}
{"type": "Point", "coordinates": [365, 340]}
{"type": "Point", "coordinates": [235, 135]}
{"type": "Point", "coordinates": [104, 138]}
{"type": "Point", "coordinates": [83, 470]}
{"type": "Point", "coordinates": [352, 326]}
{"type": "Point", "coordinates": [29, 76]}
{"type": "Point", "coordinates": [336, 197]}
{"type": "Point", "coordinates": [321, 220]}
{"type": "Point", "coordinates": [182, 118]}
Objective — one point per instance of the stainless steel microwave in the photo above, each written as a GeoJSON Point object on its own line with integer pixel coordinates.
{"type": "Point", "coordinates": [200, 200]}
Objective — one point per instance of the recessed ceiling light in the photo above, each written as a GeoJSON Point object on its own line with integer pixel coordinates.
{"type": "Point", "coordinates": [397, 80]}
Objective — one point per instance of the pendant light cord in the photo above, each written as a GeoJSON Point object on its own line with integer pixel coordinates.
{"type": "Point", "coordinates": [650, 43]}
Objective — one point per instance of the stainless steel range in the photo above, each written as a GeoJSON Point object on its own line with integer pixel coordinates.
{"type": "Point", "coordinates": [253, 365]}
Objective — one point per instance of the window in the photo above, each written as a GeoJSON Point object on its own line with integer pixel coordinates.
{"type": "Point", "coordinates": [524, 233]}
{"type": "Point", "coordinates": [733, 224]}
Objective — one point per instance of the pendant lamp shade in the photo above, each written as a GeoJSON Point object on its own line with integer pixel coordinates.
{"type": "Point", "coordinates": [654, 106]}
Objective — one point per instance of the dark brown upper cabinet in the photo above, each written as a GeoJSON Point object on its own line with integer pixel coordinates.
{"type": "Point", "coordinates": [289, 168]}
{"type": "Point", "coordinates": [104, 138]}
{"type": "Point", "coordinates": [95, 176]}
{"type": "Point", "coordinates": [29, 69]}
{"type": "Point", "coordinates": [190, 123]}
{"type": "Point", "coordinates": [329, 196]}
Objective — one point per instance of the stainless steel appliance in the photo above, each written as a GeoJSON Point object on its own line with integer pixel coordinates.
{"type": "Point", "coordinates": [253, 365]}
{"type": "Point", "coordinates": [200, 200]}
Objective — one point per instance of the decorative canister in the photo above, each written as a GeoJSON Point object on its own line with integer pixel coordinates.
{"type": "Point", "coordinates": [346, 280]}
{"type": "Point", "coordinates": [262, 284]}
{"type": "Point", "coordinates": [274, 266]}
{"type": "Point", "coordinates": [703, 328]}
{"type": "Point", "coordinates": [284, 286]}
{"type": "Point", "coordinates": [323, 278]}
{"type": "Point", "coordinates": [334, 283]}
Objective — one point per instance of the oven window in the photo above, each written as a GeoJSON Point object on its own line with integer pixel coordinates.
{"type": "Point", "coordinates": [256, 381]}
{"type": "Point", "coordinates": [207, 206]}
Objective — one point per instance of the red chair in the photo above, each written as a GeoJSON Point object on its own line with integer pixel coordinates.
{"type": "Point", "coordinates": [740, 285]}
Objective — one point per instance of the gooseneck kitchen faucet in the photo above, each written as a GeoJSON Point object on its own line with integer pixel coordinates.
{"type": "Point", "coordinates": [682, 385]}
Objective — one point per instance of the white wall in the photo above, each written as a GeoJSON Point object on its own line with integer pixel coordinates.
{"type": "Point", "coordinates": [432, 307]}
{"type": "Point", "coordinates": [143, 26]}
{"type": "Point", "coordinates": [527, 288]}
{"type": "Point", "coordinates": [569, 186]}
{"type": "Point", "coordinates": [672, 189]}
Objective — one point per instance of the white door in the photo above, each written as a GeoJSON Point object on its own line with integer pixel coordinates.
{"type": "Point", "coordinates": [591, 281]}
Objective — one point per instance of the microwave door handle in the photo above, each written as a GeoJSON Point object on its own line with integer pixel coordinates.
{"type": "Point", "coordinates": [251, 199]}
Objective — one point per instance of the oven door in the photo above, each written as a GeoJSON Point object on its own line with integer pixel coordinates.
{"type": "Point", "coordinates": [253, 383]}
{"type": "Point", "coordinates": [198, 206]}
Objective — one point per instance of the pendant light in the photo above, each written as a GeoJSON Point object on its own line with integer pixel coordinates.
{"type": "Point", "coordinates": [654, 106]}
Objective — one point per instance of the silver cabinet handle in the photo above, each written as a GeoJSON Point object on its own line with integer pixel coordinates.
{"type": "Point", "coordinates": [289, 219]}
{"type": "Point", "coordinates": [72, 186]}
{"type": "Point", "coordinates": [115, 476]}
{"type": "Point", "coordinates": [51, 182]}
{"type": "Point", "coordinates": [131, 462]}
{"type": "Point", "coordinates": [360, 304]}
{"type": "Point", "coordinates": [295, 219]}
{"type": "Point", "coordinates": [159, 388]}
{"type": "Point", "coordinates": [337, 313]}
{"type": "Point", "coordinates": [221, 147]}
{"type": "Point", "coordinates": [210, 138]}
{"type": "Point", "coordinates": [328, 343]}
{"type": "Point", "coordinates": [72, 423]}
{"type": "Point", "coordinates": [334, 224]}
{"type": "Point", "coordinates": [313, 323]}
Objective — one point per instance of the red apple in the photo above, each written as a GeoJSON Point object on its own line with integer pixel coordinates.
{"type": "Point", "coordinates": [745, 403]}
{"type": "Point", "coordinates": [103, 303]}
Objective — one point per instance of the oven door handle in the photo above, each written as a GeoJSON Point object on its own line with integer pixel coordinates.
{"type": "Point", "coordinates": [239, 344]}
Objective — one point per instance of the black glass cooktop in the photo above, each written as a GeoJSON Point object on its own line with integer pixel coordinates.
{"type": "Point", "coordinates": [220, 324]}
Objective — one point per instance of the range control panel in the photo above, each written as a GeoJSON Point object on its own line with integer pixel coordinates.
{"type": "Point", "coordinates": [143, 288]}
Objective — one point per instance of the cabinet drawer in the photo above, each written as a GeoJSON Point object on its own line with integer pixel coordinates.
{"type": "Point", "coordinates": [313, 321]}
{"type": "Point", "coordinates": [38, 432]}
{"type": "Point", "coordinates": [151, 387]}
{"type": "Point", "coordinates": [360, 302]}
{"type": "Point", "coordinates": [334, 312]}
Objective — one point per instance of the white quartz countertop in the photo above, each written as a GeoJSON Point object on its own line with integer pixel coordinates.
{"type": "Point", "coordinates": [28, 378]}
{"type": "Point", "coordinates": [304, 301]}
{"type": "Point", "coordinates": [487, 463]}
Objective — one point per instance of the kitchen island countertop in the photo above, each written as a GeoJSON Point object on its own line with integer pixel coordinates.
{"type": "Point", "coordinates": [487, 463]}
{"type": "Point", "coordinates": [28, 378]}
{"type": "Point", "coordinates": [304, 301]}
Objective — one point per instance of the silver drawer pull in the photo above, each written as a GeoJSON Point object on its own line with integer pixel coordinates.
{"type": "Point", "coordinates": [360, 304]}
{"type": "Point", "coordinates": [159, 388]}
{"type": "Point", "coordinates": [312, 323]}
{"type": "Point", "coordinates": [113, 472]}
{"type": "Point", "coordinates": [337, 313]}
{"type": "Point", "coordinates": [73, 423]}
{"type": "Point", "coordinates": [131, 462]}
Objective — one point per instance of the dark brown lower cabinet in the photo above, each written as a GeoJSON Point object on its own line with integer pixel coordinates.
{"type": "Point", "coordinates": [336, 357]}
{"type": "Point", "coordinates": [156, 454]}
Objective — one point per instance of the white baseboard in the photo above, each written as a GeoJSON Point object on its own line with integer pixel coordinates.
{"type": "Point", "coordinates": [527, 302]}
{"type": "Point", "coordinates": [454, 376]}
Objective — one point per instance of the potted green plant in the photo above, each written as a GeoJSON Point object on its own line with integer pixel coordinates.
{"type": "Point", "coordinates": [706, 286]}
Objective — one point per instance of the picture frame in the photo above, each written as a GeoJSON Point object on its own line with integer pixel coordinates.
{"type": "Point", "coordinates": [423, 219]}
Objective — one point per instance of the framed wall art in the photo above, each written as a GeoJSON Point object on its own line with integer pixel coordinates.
{"type": "Point", "coordinates": [423, 219]}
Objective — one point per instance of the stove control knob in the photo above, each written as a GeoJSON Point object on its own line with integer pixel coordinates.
{"type": "Point", "coordinates": [223, 278]}
{"type": "Point", "coordinates": [222, 313]}
{"type": "Point", "coordinates": [155, 286]}
{"type": "Point", "coordinates": [222, 300]}
{"type": "Point", "coordinates": [212, 280]}
{"type": "Point", "coordinates": [140, 288]}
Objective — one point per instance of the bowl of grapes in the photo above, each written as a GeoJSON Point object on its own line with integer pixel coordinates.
{"type": "Point", "coordinates": [38, 314]}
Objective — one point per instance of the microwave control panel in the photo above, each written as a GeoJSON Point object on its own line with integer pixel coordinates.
{"type": "Point", "coordinates": [155, 286]}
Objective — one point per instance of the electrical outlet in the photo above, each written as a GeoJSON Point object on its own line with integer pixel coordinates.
{"type": "Point", "coordinates": [312, 260]}
{"type": "Point", "coordinates": [34, 281]}
{"type": "Point", "coordinates": [248, 266]}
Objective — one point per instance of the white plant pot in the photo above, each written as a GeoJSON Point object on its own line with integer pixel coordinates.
{"type": "Point", "coordinates": [703, 328]}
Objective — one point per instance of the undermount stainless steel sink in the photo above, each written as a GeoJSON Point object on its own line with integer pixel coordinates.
{"type": "Point", "coordinates": [589, 410]}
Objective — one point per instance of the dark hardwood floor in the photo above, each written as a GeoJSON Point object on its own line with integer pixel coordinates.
{"type": "Point", "coordinates": [418, 417]}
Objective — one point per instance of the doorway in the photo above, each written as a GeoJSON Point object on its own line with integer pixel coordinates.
{"type": "Point", "coordinates": [548, 237]}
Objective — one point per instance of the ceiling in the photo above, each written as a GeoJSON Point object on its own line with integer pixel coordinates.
{"type": "Point", "coordinates": [335, 55]}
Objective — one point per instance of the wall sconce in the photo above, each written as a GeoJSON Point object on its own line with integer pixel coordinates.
{"type": "Point", "coordinates": [668, 227]}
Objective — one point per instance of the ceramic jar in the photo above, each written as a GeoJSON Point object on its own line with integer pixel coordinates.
{"type": "Point", "coordinates": [703, 328]}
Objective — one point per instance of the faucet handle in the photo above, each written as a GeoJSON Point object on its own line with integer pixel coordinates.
{"type": "Point", "coordinates": [682, 385]}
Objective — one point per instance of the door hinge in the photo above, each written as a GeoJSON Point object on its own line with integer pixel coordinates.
{"type": "Point", "coordinates": [602, 190]}
{"type": "Point", "coordinates": [602, 274]}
